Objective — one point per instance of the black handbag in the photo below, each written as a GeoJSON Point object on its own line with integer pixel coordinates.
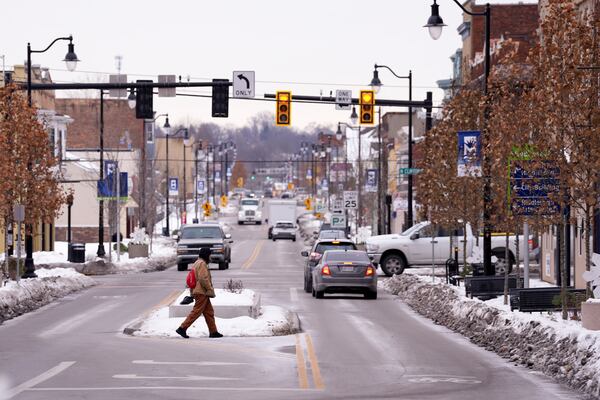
{"type": "Point", "coordinates": [187, 300]}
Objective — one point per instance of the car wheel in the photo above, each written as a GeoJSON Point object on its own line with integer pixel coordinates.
{"type": "Point", "coordinates": [274, 239]}
{"type": "Point", "coordinates": [393, 264]}
{"type": "Point", "coordinates": [501, 264]}
{"type": "Point", "coordinates": [294, 239]}
{"type": "Point", "coordinates": [181, 267]}
{"type": "Point", "coordinates": [312, 290]}
{"type": "Point", "coordinates": [319, 294]}
{"type": "Point", "coordinates": [306, 285]}
{"type": "Point", "coordinates": [309, 285]}
{"type": "Point", "coordinates": [223, 265]}
{"type": "Point", "coordinates": [240, 223]}
{"type": "Point", "coordinates": [371, 295]}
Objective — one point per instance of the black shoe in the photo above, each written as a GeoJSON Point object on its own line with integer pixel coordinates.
{"type": "Point", "coordinates": [182, 332]}
{"type": "Point", "coordinates": [215, 335]}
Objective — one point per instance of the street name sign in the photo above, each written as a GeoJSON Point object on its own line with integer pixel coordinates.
{"type": "Point", "coordinates": [343, 99]}
{"type": "Point", "coordinates": [243, 84]}
{"type": "Point", "coordinates": [410, 171]}
{"type": "Point", "coordinates": [350, 199]}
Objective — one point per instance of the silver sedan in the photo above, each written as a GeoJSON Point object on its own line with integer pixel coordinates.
{"type": "Point", "coordinates": [344, 271]}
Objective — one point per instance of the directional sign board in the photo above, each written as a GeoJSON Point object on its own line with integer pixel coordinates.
{"type": "Point", "coordinates": [338, 221]}
{"type": "Point", "coordinates": [343, 99]}
{"type": "Point", "coordinates": [243, 84]}
{"type": "Point", "coordinates": [350, 199]}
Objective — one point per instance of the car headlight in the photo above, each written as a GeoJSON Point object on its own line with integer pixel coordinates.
{"type": "Point", "coordinates": [181, 250]}
{"type": "Point", "coordinates": [372, 247]}
{"type": "Point", "coordinates": [218, 248]}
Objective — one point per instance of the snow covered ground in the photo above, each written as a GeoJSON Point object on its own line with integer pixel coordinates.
{"type": "Point", "coordinates": [226, 298]}
{"type": "Point", "coordinates": [163, 255]}
{"type": "Point", "coordinates": [17, 298]}
{"type": "Point", "coordinates": [272, 321]}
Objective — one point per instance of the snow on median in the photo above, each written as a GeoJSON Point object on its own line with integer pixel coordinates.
{"type": "Point", "coordinates": [18, 298]}
{"type": "Point", "coordinates": [269, 321]}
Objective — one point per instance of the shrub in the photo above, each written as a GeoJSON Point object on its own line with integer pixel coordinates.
{"type": "Point", "coordinates": [234, 286]}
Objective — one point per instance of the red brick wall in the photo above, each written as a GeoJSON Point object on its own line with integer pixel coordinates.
{"type": "Point", "coordinates": [84, 132]}
{"type": "Point", "coordinates": [81, 235]}
{"type": "Point", "coordinates": [518, 22]}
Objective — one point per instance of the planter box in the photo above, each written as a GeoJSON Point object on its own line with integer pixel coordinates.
{"type": "Point", "coordinates": [138, 250]}
{"type": "Point", "coordinates": [590, 316]}
{"type": "Point", "coordinates": [222, 304]}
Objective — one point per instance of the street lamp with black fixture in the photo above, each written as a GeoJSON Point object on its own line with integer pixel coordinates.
{"type": "Point", "coordinates": [167, 128]}
{"type": "Point", "coordinates": [71, 62]}
{"type": "Point", "coordinates": [435, 25]}
{"type": "Point", "coordinates": [376, 86]}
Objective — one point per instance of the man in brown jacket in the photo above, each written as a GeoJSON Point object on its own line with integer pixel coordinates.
{"type": "Point", "coordinates": [202, 294]}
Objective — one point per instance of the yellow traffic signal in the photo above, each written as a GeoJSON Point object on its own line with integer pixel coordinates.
{"type": "Point", "coordinates": [223, 201]}
{"type": "Point", "coordinates": [240, 182]}
{"type": "Point", "coordinates": [367, 107]}
{"type": "Point", "coordinates": [290, 186]}
{"type": "Point", "coordinates": [284, 109]}
{"type": "Point", "coordinates": [206, 207]}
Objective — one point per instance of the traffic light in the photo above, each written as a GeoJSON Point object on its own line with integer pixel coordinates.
{"type": "Point", "coordinates": [220, 99]}
{"type": "Point", "coordinates": [143, 102]}
{"type": "Point", "coordinates": [367, 107]}
{"type": "Point", "coordinates": [284, 109]}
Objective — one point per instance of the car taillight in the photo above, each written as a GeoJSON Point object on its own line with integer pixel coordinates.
{"type": "Point", "coordinates": [532, 244]}
{"type": "Point", "coordinates": [325, 270]}
{"type": "Point", "coordinates": [370, 271]}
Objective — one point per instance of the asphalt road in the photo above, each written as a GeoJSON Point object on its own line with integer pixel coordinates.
{"type": "Point", "coordinates": [350, 348]}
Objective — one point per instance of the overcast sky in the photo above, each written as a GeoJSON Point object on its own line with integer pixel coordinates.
{"type": "Point", "coordinates": [305, 46]}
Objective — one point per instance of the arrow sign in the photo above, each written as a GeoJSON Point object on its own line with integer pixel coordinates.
{"type": "Point", "coordinates": [243, 84]}
{"type": "Point", "coordinates": [242, 77]}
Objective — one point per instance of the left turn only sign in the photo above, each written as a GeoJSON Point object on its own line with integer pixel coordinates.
{"type": "Point", "coordinates": [243, 84]}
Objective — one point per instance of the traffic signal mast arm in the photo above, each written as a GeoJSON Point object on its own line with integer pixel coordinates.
{"type": "Point", "coordinates": [427, 103]}
{"type": "Point", "coordinates": [125, 85]}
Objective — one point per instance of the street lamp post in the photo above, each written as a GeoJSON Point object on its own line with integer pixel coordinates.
{"type": "Point", "coordinates": [71, 61]}
{"type": "Point", "coordinates": [187, 142]}
{"type": "Point", "coordinates": [376, 86]}
{"type": "Point", "coordinates": [167, 128]}
{"type": "Point", "coordinates": [435, 25]}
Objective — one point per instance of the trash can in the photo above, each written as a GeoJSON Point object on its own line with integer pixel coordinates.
{"type": "Point", "coordinates": [77, 252]}
{"type": "Point", "coordinates": [165, 232]}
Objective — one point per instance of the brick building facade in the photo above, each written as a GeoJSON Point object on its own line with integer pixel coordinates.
{"type": "Point", "coordinates": [84, 132]}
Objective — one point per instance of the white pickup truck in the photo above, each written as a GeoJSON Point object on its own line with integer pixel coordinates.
{"type": "Point", "coordinates": [414, 247]}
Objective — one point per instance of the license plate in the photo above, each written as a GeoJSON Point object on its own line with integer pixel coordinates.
{"type": "Point", "coordinates": [347, 269]}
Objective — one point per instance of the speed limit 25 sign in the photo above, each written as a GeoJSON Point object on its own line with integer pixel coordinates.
{"type": "Point", "coordinates": [350, 199]}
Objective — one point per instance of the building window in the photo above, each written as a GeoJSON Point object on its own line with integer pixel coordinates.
{"type": "Point", "coordinates": [52, 140]}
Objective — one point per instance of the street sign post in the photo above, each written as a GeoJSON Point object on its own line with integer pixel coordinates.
{"type": "Point", "coordinates": [338, 221]}
{"type": "Point", "coordinates": [343, 99]}
{"type": "Point", "coordinates": [243, 84]}
{"type": "Point", "coordinates": [338, 206]}
{"type": "Point", "coordinates": [350, 199]}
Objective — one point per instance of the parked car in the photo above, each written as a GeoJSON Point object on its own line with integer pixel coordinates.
{"type": "Point", "coordinates": [414, 247]}
{"type": "Point", "coordinates": [344, 271]}
{"type": "Point", "coordinates": [326, 226]}
{"type": "Point", "coordinates": [316, 252]}
{"type": "Point", "coordinates": [284, 230]}
{"type": "Point", "coordinates": [194, 237]}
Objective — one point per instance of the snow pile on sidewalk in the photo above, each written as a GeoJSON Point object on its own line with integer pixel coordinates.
{"type": "Point", "coordinates": [560, 349]}
{"type": "Point", "coordinates": [163, 256]}
{"type": "Point", "coordinates": [272, 321]}
{"type": "Point", "coordinates": [30, 294]}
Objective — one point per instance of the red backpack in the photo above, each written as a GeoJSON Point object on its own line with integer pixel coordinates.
{"type": "Point", "coordinates": [190, 280]}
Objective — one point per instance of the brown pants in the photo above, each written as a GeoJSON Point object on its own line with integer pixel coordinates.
{"type": "Point", "coordinates": [201, 306]}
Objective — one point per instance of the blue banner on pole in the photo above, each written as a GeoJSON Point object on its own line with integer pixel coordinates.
{"type": "Point", "coordinates": [107, 188]}
{"type": "Point", "coordinates": [469, 153]}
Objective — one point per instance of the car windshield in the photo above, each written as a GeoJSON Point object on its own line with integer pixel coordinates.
{"type": "Point", "coordinates": [347, 256]}
{"type": "Point", "coordinates": [323, 247]}
{"type": "Point", "coordinates": [413, 229]}
{"type": "Point", "coordinates": [331, 235]}
{"type": "Point", "coordinates": [202, 232]}
{"type": "Point", "coordinates": [249, 202]}
{"type": "Point", "coordinates": [286, 225]}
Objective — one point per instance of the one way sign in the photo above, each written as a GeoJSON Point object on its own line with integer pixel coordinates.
{"type": "Point", "coordinates": [243, 84]}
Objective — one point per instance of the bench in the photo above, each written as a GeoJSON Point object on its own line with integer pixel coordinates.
{"type": "Point", "coordinates": [543, 299]}
{"type": "Point", "coordinates": [488, 286]}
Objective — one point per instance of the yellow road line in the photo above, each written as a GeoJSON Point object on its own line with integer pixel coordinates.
{"type": "Point", "coordinates": [314, 363]}
{"type": "Point", "coordinates": [255, 253]}
{"type": "Point", "coordinates": [302, 375]}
